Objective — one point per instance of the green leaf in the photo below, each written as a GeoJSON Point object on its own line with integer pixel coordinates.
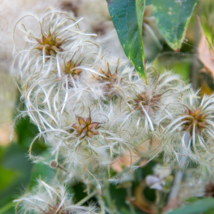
{"type": "Point", "coordinates": [192, 200]}
{"type": "Point", "coordinates": [127, 16]}
{"type": "Point", "coordinates": [211, 211]}
{"type": "Point", "coordinates": [15, 170]}
{"type": "Point", "coordinates": [41, 170]}
{"type": "Point", "coordinates": [197, 207]}
{"type": "Point", "coordinates": [7, 177]}
{"type": "Point", "coordinates": [26, 132]}
{"type": "Point", "coordinates": [6, 207]}
{"type": "Point", "coordinates": [172, 18]}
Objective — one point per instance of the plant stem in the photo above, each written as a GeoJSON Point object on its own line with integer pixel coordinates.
{"type": "Point", "coordinates": [176, 185]}
{"type": "Point", "coordinates": [102, 205]}
{"type": "Point", "coordinates": [158, 202]}
{"type": "Point", "coordinates": [109, 202]}
{"type": "Point", "coordinates": [131, 207]}
{"type": "Point", "coordinates": [179, 174]}
{"type": "Point", "coordinates": [87, 197]}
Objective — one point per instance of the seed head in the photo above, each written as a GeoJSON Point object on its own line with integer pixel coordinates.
{"type": "Point", "coordinates": [50, 44]}
{"type": "Point", "coordinates": [56, 210]}
{"type": "Point", "coordinates": [85, 128]}
{"type": "Point", "coordinates": [194, 118]}
{"type": "Point", "coordinates": [149, 102]}
{"type": "Point", "coordinates": [46, 199]}
{"type": "Point", "coordinates": [191, 131]}
{"type": "Point", "coordinates": [110, 80]}
{"type": "Point", "coordinates": [70, 69]}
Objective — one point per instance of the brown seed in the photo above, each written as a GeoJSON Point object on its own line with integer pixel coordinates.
{"type": "Point", "coordinates": [96, 133]}
{"type": "Point", "coordinates": [75, 125]}
{"type": "Point", "coordinates": [201, 125]}
{"type": "Point", "coordinates": [90, 134]}
{"type": "Point", "coordinates": [79, 130]}
{"type": "Point", "coordinates": [81, 120]}
{"type": "Point", "coordinates": [88, 121]}
{"type": "Point", "coordinates": [85, 131]}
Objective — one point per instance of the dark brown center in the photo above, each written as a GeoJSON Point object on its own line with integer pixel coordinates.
{"type": "Point", "coordinates": [149, 102]}
{"type": "Point", "coordinates": [110, 79]}
{"type": "Point", "coordinates": [194, 119]}
{"type": "Point", "coordinates": [70, 69]}
{"type": "Point", "coordinates": [56, 210]}
{"type": "Point", "coordinates": [50, 44]}
{"type": "Point", "coordinates": [85, 128]}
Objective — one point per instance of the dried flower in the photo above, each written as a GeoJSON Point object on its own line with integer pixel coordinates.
{"type": "Point", "coordinates": [85, 127]}
{"type": "Point", "coordinates": [150, 104]}
{"type": "Point", "coordinates": [191, 130]}
{"type": "Point", "coordinates": [48, 199]}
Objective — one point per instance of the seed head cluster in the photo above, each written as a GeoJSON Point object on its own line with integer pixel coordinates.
{"type": "Point", "coordinates": [92, 108]}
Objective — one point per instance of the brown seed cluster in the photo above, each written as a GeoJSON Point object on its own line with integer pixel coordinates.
{"type": "Point", "coordinates": [56, 210]}
{"type": "Point", "coordinates": [110, 79]}
{"type": "Point", "coordinates": [149, 102]}
{"type": "Point", "coordinates": [85, 128]}
{"type": "Point", "coordinates": [70, 69]}
{"type": "Point", "coordinates": [196, 118]}
{"type": "Point", "coordinates": [50, 43]}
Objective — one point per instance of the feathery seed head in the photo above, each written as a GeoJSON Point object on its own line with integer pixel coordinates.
{"type": "Point", "coordinates": [58, 33]}
{"type": "Point", "coordinates": [46, 199]}
{"type": "Point", "coordinates": [191, 129]}
{"type": "Point", "coordinates": [56, 210]}
{"type": "Point", "coordinates": [109, 79]}
{"type": "Point", "coordinates": [150, 102]}
{"type": "Point", "coordinates": [194, 118]}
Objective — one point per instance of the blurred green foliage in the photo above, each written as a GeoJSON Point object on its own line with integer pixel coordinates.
{"type": "Point", "coordinates": [204, 205]}
{"type": "Point", "coordinates": [15, 166]}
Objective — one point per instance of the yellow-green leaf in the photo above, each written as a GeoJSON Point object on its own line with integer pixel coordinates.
{"type": "Point", "coordinates": [172, 18]}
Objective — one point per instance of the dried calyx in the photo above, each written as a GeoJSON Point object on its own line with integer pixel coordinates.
{"type": "Point", "coordinates": [85, 128]}
{"type": "Point", "coordinates": [56, 209]}
{"type": "Point", "coordinates": [50, 44]}
{"type": "Point", "coordinates": [110, 79]}
{"type": "Point", "coordinates": [150, 102]}
{"type": "Point", "coordinates": [195, 119]}
{"type": "Point", "coordinates": [70, 68]}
